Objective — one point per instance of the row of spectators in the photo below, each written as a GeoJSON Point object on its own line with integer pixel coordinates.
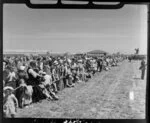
{"type": "Point", "coordinates": [29, 79]}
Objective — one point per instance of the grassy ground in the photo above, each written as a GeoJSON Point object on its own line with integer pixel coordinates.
{"type": "Point", "coordinates": [105, 96]}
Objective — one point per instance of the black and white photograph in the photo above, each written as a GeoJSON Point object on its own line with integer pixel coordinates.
{"type": "Point", "coordinates": [75, 63]}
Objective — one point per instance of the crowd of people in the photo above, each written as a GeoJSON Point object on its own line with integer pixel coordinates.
{"type": "Point", "coordinates": [29, 79]}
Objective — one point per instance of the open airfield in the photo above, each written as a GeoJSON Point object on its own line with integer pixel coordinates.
{"type": "Point", "coordinates": [117, 93]}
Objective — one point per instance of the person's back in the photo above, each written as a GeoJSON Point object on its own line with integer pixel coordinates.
{"type": "Point", "coordinates": [33, 77]}
{"type": "Point", "coordinates": [98, 62]}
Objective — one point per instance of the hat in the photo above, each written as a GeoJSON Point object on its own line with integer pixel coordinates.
{"type": "Point", "coordinates": [49, 58]}
{"type": "Point", "coordinates": [5, 62]}
{"type": "Point", "coordinates": [8, 87]}
{"type": "Point", "coordinates": [69, 61]}
{"type": "Point", "coordinates": [22, 68]}
{"type": "Point", "coordinates": [61, 61]}
{"type": "Point", "coordinates": [55, 63]}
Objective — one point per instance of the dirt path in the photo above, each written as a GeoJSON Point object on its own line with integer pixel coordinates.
{"type": "Point", "coordinates": [106, 95]}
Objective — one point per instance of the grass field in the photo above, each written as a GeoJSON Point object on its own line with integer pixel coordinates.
{"type": "Point", "coordinates": [105, 96]}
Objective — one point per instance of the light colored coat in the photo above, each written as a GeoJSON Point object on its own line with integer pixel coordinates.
{"type": "Point", "coordinates": [10, 105]}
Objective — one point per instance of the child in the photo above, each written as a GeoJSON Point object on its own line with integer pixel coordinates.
{"type": "Point", "coordinates": [10, 102]}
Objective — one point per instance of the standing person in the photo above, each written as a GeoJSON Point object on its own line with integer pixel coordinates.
{"type": "Point", "coordinates": [22, 74]}
{"type": "Point", "coordinates": [34, 80]}
{"type": "Point", "coordinates": [143, 68]}
{"type": "Point", "coordinates": [11, 78]}
{"type": "Point", "coordinates": [101, 65]}
{"type": "Point", "coordinates": [129, 58]}
{"type": "Point", "coordinates": [54, 75]}
{"type": "Point", "coordinates": [5, 72]}
{"type": "Point", "coordinates": [10, 102]}
{"type": "Point", "coordinates": [98, 65]}
{"type": "Point", "coordinates": [81, 71]}
{"type": "Point", "coordinates": [67, 75]}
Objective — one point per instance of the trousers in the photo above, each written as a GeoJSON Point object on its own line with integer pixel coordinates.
{"type": "Point", "coordinates": [142, 73]}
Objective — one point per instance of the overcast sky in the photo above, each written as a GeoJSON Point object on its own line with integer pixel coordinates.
{"type": "Point", "coordinates": [58, 30]}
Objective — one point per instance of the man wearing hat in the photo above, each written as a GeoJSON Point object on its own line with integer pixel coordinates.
{"type": "Point", "coordinates": [81, 71]}
{"type": "Point", "coordinates": [68, 75]}
{"type": "Point", "coordinates": [33, 74]}
{"type": "Point", "coordinates": [55, 75]}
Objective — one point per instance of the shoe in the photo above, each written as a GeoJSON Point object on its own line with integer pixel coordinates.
{"type": "Point", "coordinates": [68, 86]}
{"type": "Point", "coordinates": [40, 101]}
{"type": "Point", "coordinates": [79, 81]}
{"type": "Point", "coordinates": [49, 98]}
{"type": "Point", "coordinates": [73, 84]}
{"type": "Point", "coordinates": [55, 97]}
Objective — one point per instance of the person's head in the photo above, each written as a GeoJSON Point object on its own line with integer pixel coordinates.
{"type": "Point", "coordinates": [65, 64]}
{"type": "Point", "coordinates": [12, 69]}
{"type": "Point", "coordinates": [8, 90]}
{"type": "Point", "coordinates": [33, 64]}
{"type": "Point", "coordinates": [38, 59]}
{"type": "Point", "coordinates": [22, 68]}
{"type": "Point", "coordinates": [9, 67]}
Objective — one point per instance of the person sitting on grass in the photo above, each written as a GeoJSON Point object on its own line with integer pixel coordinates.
{"type": "Point", "coordinates": [46, 83]}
